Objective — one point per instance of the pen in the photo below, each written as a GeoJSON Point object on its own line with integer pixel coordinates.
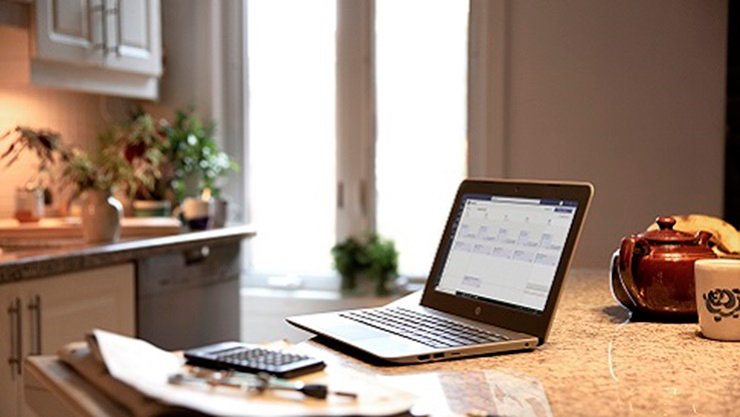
{"type": "Point", "coordinates": [320, 391]}
{"type": "Point", "coordinates": [260, 383]}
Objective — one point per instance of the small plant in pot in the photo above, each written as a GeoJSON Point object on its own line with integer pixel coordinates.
{"type": "Point", "coordinates": [382, 258]}
{"type": "Point", "coordinates": [200, 167]}
{"type": "Point", "coordinates": [349, 261]}
{"type": "Point", "coordinates": [47, 147]}
{"type": "Point", "coordinates": [375, 258]}
{"type": "Point", "coordinates": [149, 170]}
{"type": "Point", "coordinates": [94, 178]}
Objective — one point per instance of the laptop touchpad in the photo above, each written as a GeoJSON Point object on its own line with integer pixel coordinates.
{"type": "Point", "coordinates": [356, 332]}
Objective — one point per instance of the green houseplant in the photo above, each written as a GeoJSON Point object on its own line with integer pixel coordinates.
{"type": "Point", "coordinates": [349, 261]}
{"type": "Point", "coordinates": [199, 163]}
{"type": "Point", "coordinates": [47, 147]}
{"type": "Point", "coordinates": [95, 178]}
{"type": "Point", "coordinates": [382, 259]}
{"type": "Point", "coordinates": [200, 167]}
{"type": "Point", "coordinates": [374, 257]}
{"type": "Point", "coordinates": [100, 172]}
{"type": "Point", "coordinates": [147, 179]}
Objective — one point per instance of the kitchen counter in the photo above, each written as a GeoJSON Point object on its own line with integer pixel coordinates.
{"type": "Point", "coordinates": [597, 362]}
{"type": "Point", "coordinates": [23, 264]}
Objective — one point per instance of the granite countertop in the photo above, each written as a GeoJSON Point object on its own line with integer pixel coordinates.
{"type": "Point", "coordinates": [596, 362]}
{"type": "Point", "coordinates": [17, 265]}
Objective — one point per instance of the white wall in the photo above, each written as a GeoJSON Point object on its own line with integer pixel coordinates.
{"type": "Point", "coordinates": [628, 95]}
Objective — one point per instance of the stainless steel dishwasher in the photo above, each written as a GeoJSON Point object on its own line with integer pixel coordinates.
{"type": "Point", "coordinates": [189, 296]}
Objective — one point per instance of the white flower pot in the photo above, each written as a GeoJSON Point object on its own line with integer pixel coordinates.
{"type": "Point", "coordinates": [101, 217]}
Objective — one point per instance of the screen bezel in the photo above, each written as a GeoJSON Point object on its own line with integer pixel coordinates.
{"type": "Point", "coordinates": [531, 322]}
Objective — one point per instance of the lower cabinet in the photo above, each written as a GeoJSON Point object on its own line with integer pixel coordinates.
{"type": "Point", "coordinates": [41, 315]}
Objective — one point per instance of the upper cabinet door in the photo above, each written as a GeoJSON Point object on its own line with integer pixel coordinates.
{"type": "Point", "coordinates": [134, 36]}
{"type": "Point", "coordinates": [70, 31]}
{"type": "Point", "coordinates": [98, 46]}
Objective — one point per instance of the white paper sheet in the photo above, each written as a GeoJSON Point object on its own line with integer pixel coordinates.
{"type": "Point", "coordinates": [147, 368]}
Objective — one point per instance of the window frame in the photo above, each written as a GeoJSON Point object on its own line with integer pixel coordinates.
{"type": "Point", "coordinates": [356, 123]}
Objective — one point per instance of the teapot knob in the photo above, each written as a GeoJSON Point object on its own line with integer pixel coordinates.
{"type": "Point", "coordinates": [665, 222]}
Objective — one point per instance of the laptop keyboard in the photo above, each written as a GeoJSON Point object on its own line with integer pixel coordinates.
{"type": "Point", "coordinates": [424, 328]}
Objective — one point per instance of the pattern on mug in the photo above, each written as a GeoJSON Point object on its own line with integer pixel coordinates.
{"type": "Point", "coordinates": [723, 302]}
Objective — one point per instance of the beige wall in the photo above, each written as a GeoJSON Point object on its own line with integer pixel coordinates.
{"type": "Point", "coordinates": [77, 117]}
{"type": "Point", "coordinates": [628, 95]}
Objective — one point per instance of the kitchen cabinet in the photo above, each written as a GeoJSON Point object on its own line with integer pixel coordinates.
{"type": "Point", "coordinates": [10, 384]}
{"type": "Point", "coordinates": [45, 314]}
{"type": "Point", "coordinates": [138, 42]}
{"type": "Point", "coordinates": [102, 46]}
{"type": "Point", "coordinates": [65, 32]}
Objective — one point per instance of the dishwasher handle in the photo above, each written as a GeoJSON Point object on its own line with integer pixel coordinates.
{"type": "Point", "coordinates": [196, 255]}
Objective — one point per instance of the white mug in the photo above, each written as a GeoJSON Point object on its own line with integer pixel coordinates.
{"type": "Point", "coordinates": [718, 298]}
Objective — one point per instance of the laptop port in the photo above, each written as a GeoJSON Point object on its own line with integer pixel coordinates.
{"type": "Point", "coordinates": [423, 357]}
{"type": "Point", "coordinates": [439, 355]}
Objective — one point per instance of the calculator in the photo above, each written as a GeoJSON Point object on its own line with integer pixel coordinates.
{"type": "Point", "coordinates": [251, 358]}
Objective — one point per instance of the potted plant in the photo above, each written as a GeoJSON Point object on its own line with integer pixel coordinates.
{"type": "Point", "coordinates": [94, 178]}
{"type": "Point", "coordinates": [382, 259]}
{"type": "Point", "coordinates": [199, 164]}
{"type": "Point", "coordinates": [47, 147]}
{"type": "Point", "coordinates": [144, 145]}
{"type": "Point", "coordinates": [375, 258]}
{"type": "Point", "coordinates": [349, 261]}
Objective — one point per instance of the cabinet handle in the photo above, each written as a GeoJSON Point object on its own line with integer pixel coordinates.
{"type": "Point", "coordinates": [116, 10]}
{"type": "Point", "coordinates": [34, 309]}
{"type": "Point", "coordinates": [103, 44]}
{"type": "Point", "coordinates": [16, 339]}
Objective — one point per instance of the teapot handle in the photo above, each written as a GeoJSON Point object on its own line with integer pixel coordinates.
{"type": "Point", "coordinates": [626, 254]}
{"type": "Point", "coordinates": [702, 237]}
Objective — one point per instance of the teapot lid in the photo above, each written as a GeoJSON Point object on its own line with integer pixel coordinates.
{"type": "Point", "coordinates": [666, 234]}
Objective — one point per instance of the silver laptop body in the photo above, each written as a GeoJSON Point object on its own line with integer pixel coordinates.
{"type": "Point", "coordinates": [494, 284]}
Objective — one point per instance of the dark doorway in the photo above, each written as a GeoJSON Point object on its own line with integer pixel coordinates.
{"type": "Point", "coordinates": [732, 144]}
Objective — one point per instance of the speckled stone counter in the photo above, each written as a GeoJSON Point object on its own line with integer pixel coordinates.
{"type": "Point", "coordinates": [597, 362]}
{"type": "Point", "coordinates": [20, 265]}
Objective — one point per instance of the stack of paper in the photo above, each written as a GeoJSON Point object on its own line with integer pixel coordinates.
{"type": "Point", "coordinates": [135, 373]}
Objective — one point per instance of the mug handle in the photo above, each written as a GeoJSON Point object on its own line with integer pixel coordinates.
{"type": "Point", "coordinates": [626, 255]}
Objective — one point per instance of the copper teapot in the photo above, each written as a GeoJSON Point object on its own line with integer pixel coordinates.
{"type": "Point", "coordinates": [653, 272]}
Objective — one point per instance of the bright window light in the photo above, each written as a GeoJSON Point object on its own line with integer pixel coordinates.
{"type": "Point", "coordinates": [291, 52]}
{"type": "Point", "coordinates": [421, 55]}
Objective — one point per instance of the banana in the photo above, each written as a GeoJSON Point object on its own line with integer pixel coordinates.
{"type": "Point", "coordinates": [725, 238]}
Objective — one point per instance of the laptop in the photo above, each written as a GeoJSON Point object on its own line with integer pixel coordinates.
{"type": "Point", "coordinates": [494, 283]}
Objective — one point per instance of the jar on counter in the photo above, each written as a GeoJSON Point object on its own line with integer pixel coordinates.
{"type": "Point", "coordinates": [29, 205]}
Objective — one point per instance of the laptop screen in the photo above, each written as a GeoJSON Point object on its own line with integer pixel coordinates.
{"type": "Point", "coordinates": [506, 250]}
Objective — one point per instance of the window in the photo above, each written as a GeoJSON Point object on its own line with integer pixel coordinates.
{"type": "Point", "coordinates": [416, 114]}
{"type": "Point", "coordinates": [291, 135]}
{"type": "Point", "coordinates": [421, 76]}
